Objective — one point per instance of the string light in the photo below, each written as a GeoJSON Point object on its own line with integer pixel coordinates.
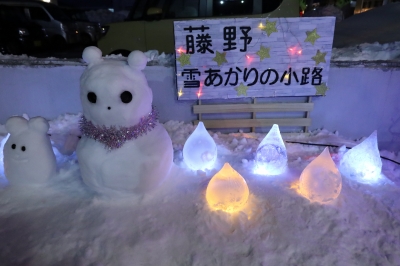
{"type": "Point", "coordinates": [249, 59]}
{"type": "Point", "coordinates": [199, 92]}
{"type": "Point", "coordinates": [295, 50]}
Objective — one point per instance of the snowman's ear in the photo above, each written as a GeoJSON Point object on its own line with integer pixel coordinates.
{"type": "Point", "coordinates": [39, 124]}
{"type": "Point", "coordinates": [16, 124]}
{"type": "Point", "coordinates": [92, 55]}
{"type": "Point", "coordinates": [137, 60]}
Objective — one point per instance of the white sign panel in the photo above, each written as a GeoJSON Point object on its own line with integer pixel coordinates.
{"type": "Point", "coordinates": [252, 57]}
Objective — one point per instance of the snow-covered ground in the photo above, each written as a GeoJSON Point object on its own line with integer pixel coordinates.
{"type": "Point", "coordinates": [362, 52]}
{"type": "Point", "coordinates": [368, 52]}
{"type": "Point", "coordinates": [65, 223]}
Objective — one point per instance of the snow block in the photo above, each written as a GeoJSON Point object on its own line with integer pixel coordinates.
{"type": "Point", "coordinates": [28, 154]}
{"type": "Point", "coordinates": [115, 96]}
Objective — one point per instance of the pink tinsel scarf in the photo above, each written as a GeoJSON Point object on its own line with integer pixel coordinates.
{"type": "Point", "coordinates": [113, 137]}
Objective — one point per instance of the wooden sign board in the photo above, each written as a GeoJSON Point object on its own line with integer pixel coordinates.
{"type": "Point", "coordinates": [252, 57]}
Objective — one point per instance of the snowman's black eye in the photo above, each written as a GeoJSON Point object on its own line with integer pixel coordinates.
{"type": "Point", "coordinates": [126, 97]}
{"type": "Point", "coordinates": [23, 148]}
{"type": "Point", "coordinates": [13, 146]}
{"type": "Point", "coordinates": [91, 96]}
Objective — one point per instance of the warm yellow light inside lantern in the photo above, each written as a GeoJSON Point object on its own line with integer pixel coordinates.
{"type": "Point", "coordinates": [227, 190]}
{"type": "Point", "coordinates": [321, 181]}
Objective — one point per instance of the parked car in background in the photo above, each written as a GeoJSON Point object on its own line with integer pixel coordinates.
{"type": "Point", "coordinates": [150, 23]}
{"type": "Point", "coordinates": [59, 27]}
{"type": "Point", "coordinates": [90, 32]}
{"type": "Point", "coordinates": [17, 34]}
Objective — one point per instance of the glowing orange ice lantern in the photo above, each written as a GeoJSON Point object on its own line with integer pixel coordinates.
{"type": "Point", "coordinates": [227, 190]}
{"type": "Point", "coordinates": [321, 181]}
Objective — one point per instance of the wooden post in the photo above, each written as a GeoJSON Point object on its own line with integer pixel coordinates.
{"type": "Point", "coordinates": [199, 113]}
{"type": "Point", "coordinates": [309, 99]}
{"type": "Point", "coordinates": [253, 129]}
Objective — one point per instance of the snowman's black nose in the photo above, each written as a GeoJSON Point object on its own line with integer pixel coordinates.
{"type": "Point", "coordinates": [109, 108]}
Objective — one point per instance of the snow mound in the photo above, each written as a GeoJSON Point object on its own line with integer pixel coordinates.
{"type": "Point", "coordinates": [65, 223]}
{"type": "Point", "coordinates": [368, 52]}
{"type": "Point", "coordinates": [363, 52]}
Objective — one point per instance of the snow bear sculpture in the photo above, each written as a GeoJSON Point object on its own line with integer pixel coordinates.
{"type": "Point", "coordinates": [28, 155]}
{"type": "Point", "coordinates": [123, 147]}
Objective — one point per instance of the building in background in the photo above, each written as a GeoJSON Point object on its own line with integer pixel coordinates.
{"type": "Point", "coordinates": [365, 5]}
{"type": "Point", "coordinates": [86, 4]}
{"type": "Point", "coordinates": [122, 5]}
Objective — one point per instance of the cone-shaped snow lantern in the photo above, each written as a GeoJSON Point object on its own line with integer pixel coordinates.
{"type": "Point", "coordinates": [200, 150]}
{"type": "Point", "coordinates": [227, 190]}
{"type": "Point", "coordinates": [271, 156]}
{"type": "Point", "coordinates": [363, 162]}
{"type": "Point", "coordinates": [321, 181]}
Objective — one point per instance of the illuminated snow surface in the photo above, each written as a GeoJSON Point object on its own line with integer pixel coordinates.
{"type": "Point", "coordinates": [65, 223]}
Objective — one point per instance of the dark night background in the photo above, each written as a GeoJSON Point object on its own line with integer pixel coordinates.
{"type": "Point", "coordinates": [87, 3]}
{"type": "Point", "coordinates": [96, 4]}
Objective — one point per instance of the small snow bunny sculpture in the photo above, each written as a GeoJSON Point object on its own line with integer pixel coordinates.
{"type": "Point", "coordinates": [28, 155]}
{"type": "Point", "coordinates": [123, 147]}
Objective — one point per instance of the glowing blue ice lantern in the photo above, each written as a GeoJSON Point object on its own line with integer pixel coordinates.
{"type": "Point", "coordinates": [363, 162]}
{"type": "Point", "coordinates": [200, 150]}
{"type": "Point", "coordinates": [4, 140]}
{"type": "Point", "coordinates": [271, 156]}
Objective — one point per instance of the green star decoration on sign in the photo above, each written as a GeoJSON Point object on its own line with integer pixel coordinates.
{"type": "Point", "coordinates": [319, 58]}
{"type": "Point", "coordinates": [263, 52]}
{"type": "Point", "coordinates": [269, 27]}
{"type": "Point", "coordinates": [241, 89]}
{"type": "Point", "coordinates": [321, 89]}
{"type": "Point", "coordinates": [220, 58]}
{"type": "Point", "coordinates": [312, 36]}
{"type": "Point", "coordinates": [184, 59]}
